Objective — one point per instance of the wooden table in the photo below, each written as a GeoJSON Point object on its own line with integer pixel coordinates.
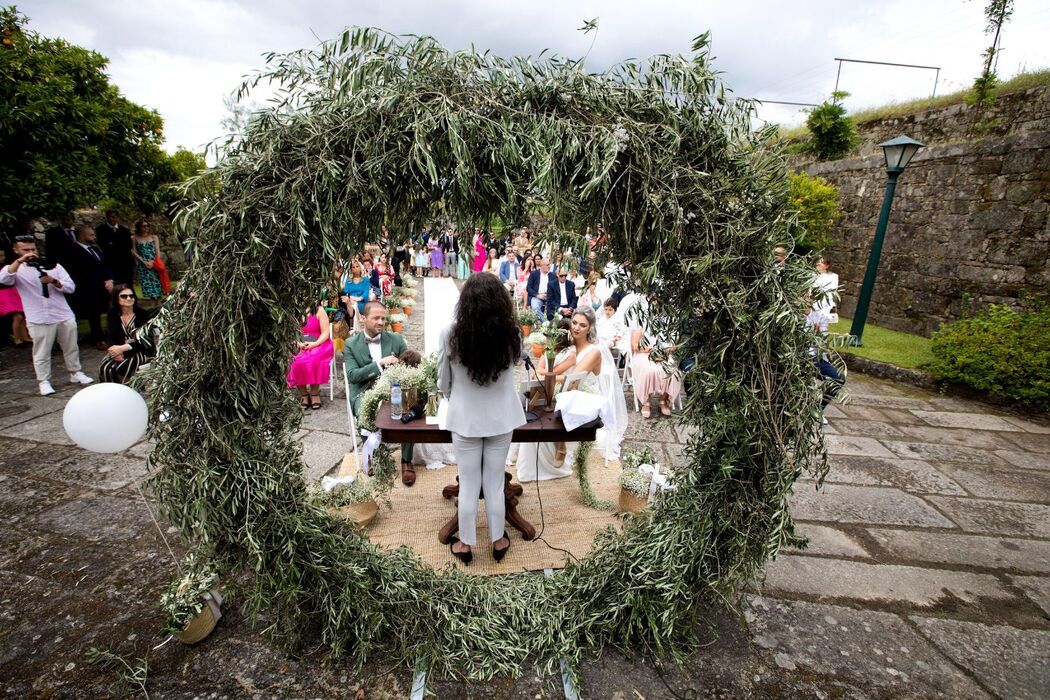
{"type": "Point", "coordinates": [548, 428]}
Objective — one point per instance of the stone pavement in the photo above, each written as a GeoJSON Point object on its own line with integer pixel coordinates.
{"type": "Point", "coordinates": [927, 573]}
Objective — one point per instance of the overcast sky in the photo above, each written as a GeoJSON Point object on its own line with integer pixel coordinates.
{"type": "Point", "coordinates": [181, 57]}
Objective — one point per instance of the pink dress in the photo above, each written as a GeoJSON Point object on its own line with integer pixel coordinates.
{"type": "Point", "coordinates": [480, 254]}
{"type": "Point", "coordinates": [311, 366]}
{"type": "Point", "coordinates": [10, 302]}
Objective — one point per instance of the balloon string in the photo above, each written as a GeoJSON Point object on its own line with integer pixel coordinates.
{"type": "Point", "coordinates": [161, 531]}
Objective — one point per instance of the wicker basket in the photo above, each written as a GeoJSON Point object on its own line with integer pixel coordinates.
{"type": "Point", "coordinates": [360, 514]}
{"type": "Point", "coordinates": [630, 503]}
{"type": "Point", "coordinates": [202, 625]}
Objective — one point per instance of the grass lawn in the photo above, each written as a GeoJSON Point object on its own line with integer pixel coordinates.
{"type": "Point", "coordinates": [884, 345]}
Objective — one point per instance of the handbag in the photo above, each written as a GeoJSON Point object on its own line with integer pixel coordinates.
{"type": "Point", "coordinates": [341, 329]}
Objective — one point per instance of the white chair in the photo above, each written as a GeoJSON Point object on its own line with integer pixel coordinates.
{"type": "Point", "coordinates": [350, 416]}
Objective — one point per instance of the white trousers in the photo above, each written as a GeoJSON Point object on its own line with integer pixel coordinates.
{"type": "Point", "coordinates": [44, 336]}
{"type": "Point", "coordinates": [481, 463]}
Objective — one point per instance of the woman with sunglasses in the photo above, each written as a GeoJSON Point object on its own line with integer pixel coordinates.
{"type": "Point", "coordinates": [129, 346]}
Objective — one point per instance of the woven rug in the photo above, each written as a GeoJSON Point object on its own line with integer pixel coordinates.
{"type": "Point", "coordinates": [416, 514]}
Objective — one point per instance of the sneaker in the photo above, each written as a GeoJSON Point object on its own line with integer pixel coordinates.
{"type": "Point", "coordinates": [46, 389]}
{"type": "Point", "coordinates": [80, 378]}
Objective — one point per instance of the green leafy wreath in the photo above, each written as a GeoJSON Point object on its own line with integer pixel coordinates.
{"type": "Point", "coordinates": [374, 129]}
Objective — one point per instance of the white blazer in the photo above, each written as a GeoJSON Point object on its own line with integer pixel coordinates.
{"type": "Point", "coordinates": [473, 410]}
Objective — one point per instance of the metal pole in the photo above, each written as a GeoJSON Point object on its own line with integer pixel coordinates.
{"type": "Point", "coordinates": [838, 74]}
{"type": "Point", "coordinates": [860, 316]}
{"type": "Point", "coordinates": [936, 77]}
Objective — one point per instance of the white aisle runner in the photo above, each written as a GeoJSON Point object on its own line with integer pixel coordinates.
{"type": "Point", "coordinates": [440, 296]}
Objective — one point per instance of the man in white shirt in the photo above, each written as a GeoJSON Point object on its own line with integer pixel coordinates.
{"type": "Point", "coordinates": [508, 270]}
{"type": "Point", "coordinates": [541, 288]}
{"type": "Point", "coordinates": [48, 316]}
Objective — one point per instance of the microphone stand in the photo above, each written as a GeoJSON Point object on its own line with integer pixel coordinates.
{"type": "Point", "coordinates": [530, 416]}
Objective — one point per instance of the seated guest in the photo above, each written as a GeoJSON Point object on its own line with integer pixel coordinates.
{"type": "Point", "coordinates": [382, 276]}
{"type": "Point", "coordinates": [611, 332]}
{"type": "Point", "coordinates": [566, 293]}
{"type": "Point", "coordinates": [312, 364]}
{"type": "Point", "coordinates": [130, 343]}
{"type": "Point", "coordinates": [11, 305]}
{"type": "Point", "coordinates": [508, 270]}
{"type": "Point", "coordinates": [475, 368]}
{"type": "Point", "coordinates": [542, 290]}
{"type": "Point", "coordinates": [652, 378]}
{"type": "Point", "coordinates": [366, 355]}
{"type": "Point", "coordinates": [356, 292]}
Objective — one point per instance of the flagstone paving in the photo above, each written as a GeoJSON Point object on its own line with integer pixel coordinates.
{"type": "Point", "coordinates": [927, 572]}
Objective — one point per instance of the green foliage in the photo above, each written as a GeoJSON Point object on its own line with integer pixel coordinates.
{"type": "Point", "coordinates": [373, 129]}
{"type": "Point", "coordinates": [999, 350]}
{"type": "Point", "coordinates": [186, 163]}
{"type": "Point", "coordinates": [882, 344]}
{"type": "Point", "coordinates": [357, 491]}
{"type": "Point", "coordinates": [130, 673]}
{"type": "Point", "coordinates": [582, 471]}
{"type": "Point", "coordinates": [996, 13]}
{"type": "Point", "coordinates": [816, 202]}
{"type": "Point", "coordinates": [67, 135]}
{"type": "Point", "coordinates": [833, 134]}
{"type": "Point", "coordinates": [630, 478]}
{"type": "Point", "coordinates": [184, 598]}
{"type": "Point", "coordinates": [528, 317]}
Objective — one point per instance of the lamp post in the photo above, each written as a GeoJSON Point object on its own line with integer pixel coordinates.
{"type": "Point", "coordinates": [898, 152]}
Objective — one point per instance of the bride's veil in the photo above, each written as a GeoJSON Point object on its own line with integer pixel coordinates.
{"type": "Point", "coordinates": [614, 408]}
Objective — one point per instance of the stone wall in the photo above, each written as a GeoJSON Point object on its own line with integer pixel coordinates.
{"type": "Point", "coordinates": [171, 249]}
{"type": "Point", "coordinates": [969, 220]}
{"type": "Point", "coordinates": [1014, 113]}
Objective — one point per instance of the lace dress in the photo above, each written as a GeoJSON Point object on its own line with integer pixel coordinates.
{"type": "Point", "coordinates": [536, 461]}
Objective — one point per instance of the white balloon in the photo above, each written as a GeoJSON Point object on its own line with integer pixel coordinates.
{"type": "Point", "coordinates": [105, 417]}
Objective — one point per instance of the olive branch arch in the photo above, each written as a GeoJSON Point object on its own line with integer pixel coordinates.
{"type": "Point", "coordinates": [374, 129]}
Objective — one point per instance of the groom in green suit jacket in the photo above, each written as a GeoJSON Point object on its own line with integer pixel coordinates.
{"type": "Point", "coordinates": [366, 355]}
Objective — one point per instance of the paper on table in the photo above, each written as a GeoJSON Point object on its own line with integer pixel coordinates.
{"type": "Point", "coordinates": [442, 415]}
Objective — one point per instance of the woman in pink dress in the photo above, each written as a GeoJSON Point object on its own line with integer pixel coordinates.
{"type": "Point", "coordinates": [523, 280]}
{"type": "Point", "coordinates": [480, 254]}
{"type": "Point", "coordinates": [312, 364]}
{"type": "Point", "coordinates": [11, 303]}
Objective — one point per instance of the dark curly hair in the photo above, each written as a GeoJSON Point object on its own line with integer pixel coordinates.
{"type": "Point", "coordinates": [485, 337]}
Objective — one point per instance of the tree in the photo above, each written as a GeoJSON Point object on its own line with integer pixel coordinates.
{"type": "Point", "coordinates": [816, 202]}
{"type": "Point", "coordinates": [68, 136]}
{"type": "Point", "coordinates": [996, 12]}
{"type": "Point", "coordinates": [834, 134]}
{"type": "Point", "coordinates": [187, 163]}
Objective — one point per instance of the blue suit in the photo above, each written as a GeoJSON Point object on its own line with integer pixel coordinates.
{"type": "Point", "coordinates": [532, 288]}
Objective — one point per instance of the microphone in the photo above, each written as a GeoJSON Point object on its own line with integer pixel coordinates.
{"type": "Point", "coordinates": [530, 417]}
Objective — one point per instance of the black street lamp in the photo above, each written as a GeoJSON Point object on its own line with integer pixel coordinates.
{"type": "Point", "coordinates": [898, 152]}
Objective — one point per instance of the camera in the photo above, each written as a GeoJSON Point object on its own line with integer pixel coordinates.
{"type": "Point", "coordinates": [41, 265]}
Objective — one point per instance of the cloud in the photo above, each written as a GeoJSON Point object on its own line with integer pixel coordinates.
{"type": "Point", "coordinates": [181, 56]}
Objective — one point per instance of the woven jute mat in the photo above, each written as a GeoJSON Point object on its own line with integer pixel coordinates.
{"type": "Point", "coordinates": [417, 513]}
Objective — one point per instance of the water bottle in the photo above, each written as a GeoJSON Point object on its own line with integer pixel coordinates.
{"type": "Point", "coordinates": [395, 401]}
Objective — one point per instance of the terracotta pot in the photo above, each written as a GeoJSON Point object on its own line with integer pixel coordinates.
{"type": "Point", "coordinates": [408, 310]}
{"type": "Point", "coordinates": [202, 625]}
{"type": "Point", "coordinates": [537, 350]}
{"type": "Point", "coordinates": [630, 503]}
{"type": "Point", "coordinates": [525, 330]}
{"type": "Point", "coordinates": [397, 327]}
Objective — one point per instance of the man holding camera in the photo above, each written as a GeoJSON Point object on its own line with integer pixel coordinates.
{"type": "Point", "coordinates": [42, 287]}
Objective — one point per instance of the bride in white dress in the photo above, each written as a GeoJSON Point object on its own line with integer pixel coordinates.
{"type": "Point", "coordinates": [551, 460]}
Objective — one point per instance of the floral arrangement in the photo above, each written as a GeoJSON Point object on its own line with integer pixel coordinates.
{"type": "Point", "coordinates": [184, 598]}
{"type": "Point", "coordinates": [409, 281]}
{"type": "Point", "coordinates": [536, 338]}
{"type": "Point", "coordinates": [391, 302]}
{"type": "Point", "coordinates": [631, 479]}
{"type": "Point", "coordinates": [422, 379]}
{"type": "Point", "coordinates": [408, 301]}
{"type": "Point", "coordinates": [357, 491]}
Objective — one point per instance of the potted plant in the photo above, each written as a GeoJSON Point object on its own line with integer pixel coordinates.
{"type": "Point", "coordinates": [528, 319]}
{"type": "Point", "coordinates": [409, 281]}
{"type": "Point", "coordinates": [397, 322]}
{"type": "Point", "coordinates": [538, 343]}
{"type": "Point", "coordinates": [392, 303]}
{"type": "Point", "coordinates": [406, 304]}
{"type": "Point", "coordinates": [193, 607]}
{"type": "Point", "coordinates": [634, 483]}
